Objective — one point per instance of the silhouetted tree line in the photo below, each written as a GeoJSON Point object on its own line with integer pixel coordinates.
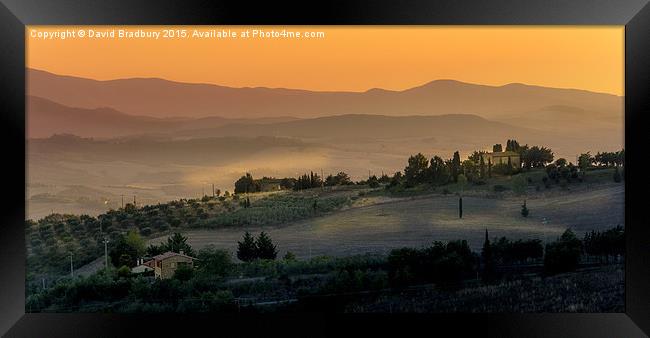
{"type": "Point", "coordinates": [605, 244]}
{"type": "Point", "coordinates": [562, 255]}
{"type": "Point", "coordinates": [506, 251]}
{"type": "Point", "coordinates": [247, 184]}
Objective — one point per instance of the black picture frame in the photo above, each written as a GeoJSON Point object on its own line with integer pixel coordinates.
{"type": "Point", "coordinates": [16, 14]}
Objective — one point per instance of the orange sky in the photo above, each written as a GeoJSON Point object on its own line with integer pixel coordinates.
{"type": "Point", "coordinates": [351, 58]}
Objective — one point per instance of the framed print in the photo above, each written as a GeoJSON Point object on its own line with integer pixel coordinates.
{"type": "Point", "coordinates": [457, 165]}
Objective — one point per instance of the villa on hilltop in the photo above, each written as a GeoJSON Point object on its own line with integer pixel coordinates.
{"type": "Point", "coordinates": [503, 157]}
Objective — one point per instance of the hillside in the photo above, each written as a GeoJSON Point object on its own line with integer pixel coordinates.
{"type": "Point", "coordinates": [158, 150]}
{"type": "Point", "coordinates": [46, 118]}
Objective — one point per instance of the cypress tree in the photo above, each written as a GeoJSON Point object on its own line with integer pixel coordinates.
{"type": "Point", "coordinates": [455, 166]}
{"type": "Point", "coordinates": [524, 210]}
{"type": "Point", "coordinates": [247, 248]}
{"type": "Point", "coordinates": [489, 168]}
{"type": "Point", "coordinates": [488, 260]}
{"type": "Point", "coordinates": [482, 167]}
{"type": "Point", "coordinates": [265, 247]}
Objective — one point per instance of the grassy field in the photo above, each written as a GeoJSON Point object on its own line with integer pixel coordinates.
{"type": "Point", "coordinates": [377, 224]}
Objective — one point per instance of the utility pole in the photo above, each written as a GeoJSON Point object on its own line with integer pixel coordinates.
{"type": "Point", "coordinates": [71, 268]}
{"type": "Point", "coordinates": [322, 179]}
{"type": "Point", "coordinates": [106, 251]}
{"type": "Point", "coordinates": [134, 201]}
{"type": "Point", "coordinates": [122, 200]}
{"type": "Point", "coordinates": [212, 190]}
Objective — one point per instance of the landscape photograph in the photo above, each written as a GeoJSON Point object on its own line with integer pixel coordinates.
{"type": "Point", "coordinates": [325, 169]}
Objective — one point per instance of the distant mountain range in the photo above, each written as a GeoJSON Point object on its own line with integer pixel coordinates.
{"type": "Point", "coordinates": [155, 97]}
{"type": "Point", "coordinates": [47, 118]}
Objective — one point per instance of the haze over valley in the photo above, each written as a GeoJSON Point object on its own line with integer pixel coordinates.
{"type": "Point", "coordinates": [90, 142]}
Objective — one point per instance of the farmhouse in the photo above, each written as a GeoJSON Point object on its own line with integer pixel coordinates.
{"type": "Point", "coordinates": [166, 264]}
{"type": "Point", "coordinates": [503, 157]}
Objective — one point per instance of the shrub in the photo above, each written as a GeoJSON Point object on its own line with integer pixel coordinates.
{"type": "Point", "coordinates": [289, 256]}
{"type": "Point", "coordinates": [500, 188]}
{"type": "Point", "coordinates": [503, 169]}
{"type": "Point", "coordinates": [124, 271]}
{"type": "Point", "coordinates": [146, 231]}
{"type": "Point", "coordinates": [184, 272]}
{"type": "Point", "coordinates": [215, 262]}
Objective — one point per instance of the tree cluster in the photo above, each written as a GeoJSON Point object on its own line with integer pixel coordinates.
{"type": "Point", "coordinates": [339, 179]}
{"type": "Point", "coordinates": [535, 156]}
{"type": "Point", "coordinates": [175, 243]}
{"type": "Point", "coordinates": [561, 170]}
{"type": "Point", "coordinates": [308, 181]}
{"type": "Point", "coordinates": [609, 159]}
{"type": "Point", "coordinates": [127, 250]}
{"type": "Point", "coordinates": [250, 248]}
{"type": "Point", "coordinates": [506, 251]}
{"type": "Point", "coordinates": [444, 264]}
{"type": "Point", "coordinates": [246, 184]}
{"type": "Point", "coordinates": [436, 171]}
{"type": "Point", "coordinates": [563, 255]}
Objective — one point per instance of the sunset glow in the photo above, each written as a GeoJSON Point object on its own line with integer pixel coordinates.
{"type": "Point", "coordinates": [347, 58]}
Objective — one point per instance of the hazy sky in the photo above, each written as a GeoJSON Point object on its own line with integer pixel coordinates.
{"type": "Point", "coordinates": [349, 58]}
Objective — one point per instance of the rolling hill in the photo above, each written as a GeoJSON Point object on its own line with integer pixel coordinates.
{"type": "Point", "coordinates": [156, 97]}
{"type": "Point", "coordinates": [46, 118]}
